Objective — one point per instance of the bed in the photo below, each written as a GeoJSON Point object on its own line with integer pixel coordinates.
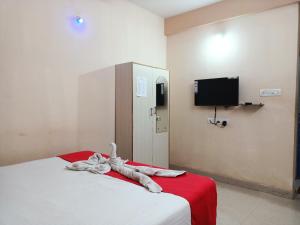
{"type": "Point", "coordinates": [42, 192]}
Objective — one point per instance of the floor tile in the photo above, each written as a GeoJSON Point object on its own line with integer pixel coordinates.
{"type": "Point", "coordinates": [241, 206]}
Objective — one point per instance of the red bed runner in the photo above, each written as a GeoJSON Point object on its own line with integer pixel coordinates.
{"type": "Point", "coordinates": [199, 191]}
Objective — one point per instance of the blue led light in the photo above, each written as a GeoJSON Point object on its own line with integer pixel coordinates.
{"type": "Point", "coordinates": [79, 20]}
{"type": "Point", "coordinates": [77, 23]}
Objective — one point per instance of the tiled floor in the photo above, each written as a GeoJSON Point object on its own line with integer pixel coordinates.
{"type": "Point", "coordinates": [240, 206]}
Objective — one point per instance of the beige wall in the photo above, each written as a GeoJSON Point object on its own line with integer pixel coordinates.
{"type": "Point", "coordinates": [47, 68]}
{"type": "Point", "coordinates": [258, 144]}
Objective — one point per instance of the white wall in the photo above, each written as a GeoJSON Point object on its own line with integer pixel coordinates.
{"type": "Point", "coordinates": [258, 144]}
{"type": "Point", "coordinates": [43, 58]}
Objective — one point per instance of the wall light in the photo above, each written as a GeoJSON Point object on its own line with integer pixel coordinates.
{"type": "Point", "coordinates": [220, 46]}
{"type": "Point", "coordinates": [78, 24]}
{"type": "Point", "coordinates": [219, 43]}
{"type": "Point", "coordinates": [79, 20]}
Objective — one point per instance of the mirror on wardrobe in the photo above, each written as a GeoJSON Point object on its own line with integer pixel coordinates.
{"type": "Point", "coordinates": [162, 111]}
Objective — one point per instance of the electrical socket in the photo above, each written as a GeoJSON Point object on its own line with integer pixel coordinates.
{"type": "Point", "coordinates": [217, 119]}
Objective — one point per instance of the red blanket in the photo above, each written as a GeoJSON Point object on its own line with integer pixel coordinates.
{"type": "Point", "coordinates": [199, 191]}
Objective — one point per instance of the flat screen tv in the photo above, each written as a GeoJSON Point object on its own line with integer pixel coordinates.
{"type": "Point", "coordinates": [217, 92]}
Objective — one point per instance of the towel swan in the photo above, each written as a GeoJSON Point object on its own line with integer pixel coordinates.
{"type": "Point", "coordinates": [100, 165]}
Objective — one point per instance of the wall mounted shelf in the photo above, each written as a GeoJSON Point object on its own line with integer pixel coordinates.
{"type": "Point", "coordinates": [250, 104]}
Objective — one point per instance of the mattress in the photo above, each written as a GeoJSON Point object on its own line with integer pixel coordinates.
{"type": "Point", "coordinates": [42, 192]}
{"type": "Point", "coordinates": [199, 191]}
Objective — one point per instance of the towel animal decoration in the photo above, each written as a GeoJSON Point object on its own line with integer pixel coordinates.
{"type": "Point", "coordinates": [100, 165]}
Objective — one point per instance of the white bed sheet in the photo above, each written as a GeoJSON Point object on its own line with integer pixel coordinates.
{"type": "Point", "coordinates": [42, 192]}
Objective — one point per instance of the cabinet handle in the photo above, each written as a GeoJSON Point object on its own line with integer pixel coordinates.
{"type": "Point", "coordinates": [152, 111]}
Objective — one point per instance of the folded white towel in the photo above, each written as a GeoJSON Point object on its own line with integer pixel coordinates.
{"type": "Point", "coordinates": [150, 171]}
{"type": "Point", "coordinates": [143, 179]}
{"type": "Point", "coordinates": [100, 165]}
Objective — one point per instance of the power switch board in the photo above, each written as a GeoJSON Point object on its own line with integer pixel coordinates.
{"type": "Point", "coordinates": [270, 92]}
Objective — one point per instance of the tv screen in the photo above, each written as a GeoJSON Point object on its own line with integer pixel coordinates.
{"type": "Point", "coordinates": [217, 92]}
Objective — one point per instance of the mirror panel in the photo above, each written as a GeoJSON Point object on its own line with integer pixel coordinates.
{"type": "Point", "coordinates": [162, 111]}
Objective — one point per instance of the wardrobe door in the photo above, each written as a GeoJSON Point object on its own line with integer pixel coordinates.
{"type": "Point", "coordinates": [143, 114]}
{"type": "Point", "coordinates": [161, 121]}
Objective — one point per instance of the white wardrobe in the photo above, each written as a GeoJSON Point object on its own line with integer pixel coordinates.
{"type": "Point", "coordinates": [142, 113]}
